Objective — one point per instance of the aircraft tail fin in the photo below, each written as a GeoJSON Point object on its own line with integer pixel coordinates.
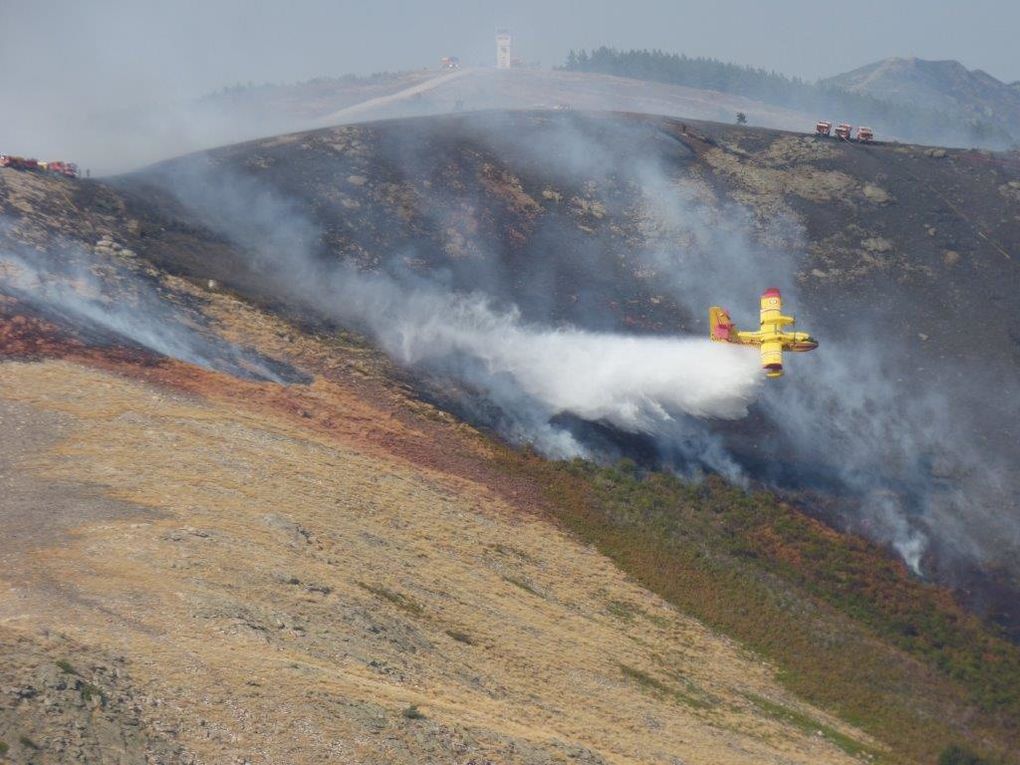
{"type": "Point", "coordinates": [721, 326]}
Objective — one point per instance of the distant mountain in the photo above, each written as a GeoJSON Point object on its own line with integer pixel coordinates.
{"type": "Point", "coordinates": [946, 86]}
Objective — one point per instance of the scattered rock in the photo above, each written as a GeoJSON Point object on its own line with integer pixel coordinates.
{"type": "Point", "coordinates": [588, 207]}
{"type": "Point", "coordinates": [179, 535]}
{"type": "Point", "coordinates": [877, 195]}
{"type": "Point", "coordinates": [877, 244]}
{"type": "Point", "coordinates": [292, 532]}
{"type": "Point", "coordinates": [936, 153]}
{"type": "Point", "coordinates": [1011, 191]}
{"type": "Point", "coordinates": [59, 712]}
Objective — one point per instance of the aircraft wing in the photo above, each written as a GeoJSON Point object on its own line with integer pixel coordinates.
{"type": "Point", "coordinates": [772, 358]}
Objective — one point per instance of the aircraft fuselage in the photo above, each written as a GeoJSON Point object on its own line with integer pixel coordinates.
{"type": "Point", "coordinates": [771, 337]}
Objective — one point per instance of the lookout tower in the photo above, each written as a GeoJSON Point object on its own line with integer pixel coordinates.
{"type": "Point", "coordinates": [502, 48]}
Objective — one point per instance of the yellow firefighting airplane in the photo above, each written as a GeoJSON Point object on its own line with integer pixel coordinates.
{"type": "Point", "coordinates": [770, 337]}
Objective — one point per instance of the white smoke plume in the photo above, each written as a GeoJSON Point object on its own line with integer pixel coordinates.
{"type": "Point", "coordinates": [534, 372]}
{"type": "Point", "coordinates": [856, 413]}
{"type": "Point", "coordinates": [638, 384]}
{"type": "Point", "coordinates": [635, 383]}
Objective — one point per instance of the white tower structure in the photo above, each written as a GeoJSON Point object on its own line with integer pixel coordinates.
{"type": "Point", "coordinates": [503, 49]}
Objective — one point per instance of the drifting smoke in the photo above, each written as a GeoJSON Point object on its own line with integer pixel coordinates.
{"type": "Point", "coordinates": [902, 455]}
{"type": "Point", "coordinates": [855, 419]}
{"type": "Point", "coordinates": [109, 303]}
{"type": "Point", "coordinates": [904, 447]}
{"type": "Point", "coordinates": [534, 373]}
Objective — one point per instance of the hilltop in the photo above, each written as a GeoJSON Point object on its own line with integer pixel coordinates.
{"type": "Point", "coordinates": [280, 544]}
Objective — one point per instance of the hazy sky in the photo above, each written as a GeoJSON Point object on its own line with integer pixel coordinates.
{"type": "Point", "coordinates": [73, 73]}
{"type": "Point", "coordinates": [102, 50]}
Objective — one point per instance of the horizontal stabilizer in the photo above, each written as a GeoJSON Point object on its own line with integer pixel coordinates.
{"type": "Point", "coordinates": [721, 327]}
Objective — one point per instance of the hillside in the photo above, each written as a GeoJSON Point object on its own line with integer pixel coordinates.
{"type": "Point", "coordinates": [325, 571]}
{"type": "Point", "coordinates": [300, 511]}
{"type": "Point", "coordinates": [534, 210]}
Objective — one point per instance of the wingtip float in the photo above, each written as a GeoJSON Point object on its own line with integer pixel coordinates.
{"type": "Point", "coordinates": [770, 337]}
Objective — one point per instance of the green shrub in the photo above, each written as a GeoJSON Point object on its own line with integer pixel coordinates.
{"type": "Point", "coordinates": [522, 584]}
{"type": "Point", "coordinates": [89, 691]}
{"type": "Point", "coordinates": [759, 570]}
{"type": "Point", "coordinates": [401, 601]}
{"type": "Point", "coordinates": [661, 688]}
{"type": "Point", "coordinates": [460, 637]}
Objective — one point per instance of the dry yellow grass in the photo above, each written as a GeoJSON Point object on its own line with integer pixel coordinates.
{"type": "Point", "coordinates": [767, 183]}
{"type": "Point", "coordinates": [295, 588]}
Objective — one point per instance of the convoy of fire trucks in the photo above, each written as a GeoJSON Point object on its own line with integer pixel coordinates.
{"type": "Point", "coordinates": [57, 167]}
{"type": "Point", "coordinates": [844, 132]}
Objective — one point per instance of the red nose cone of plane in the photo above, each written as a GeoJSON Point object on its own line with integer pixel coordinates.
{"type": "Point", "coordinates": [771, 292]}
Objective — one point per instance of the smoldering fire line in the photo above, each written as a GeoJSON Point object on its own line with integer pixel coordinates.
{"type": "Point", "coordinates": [125, 309]}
